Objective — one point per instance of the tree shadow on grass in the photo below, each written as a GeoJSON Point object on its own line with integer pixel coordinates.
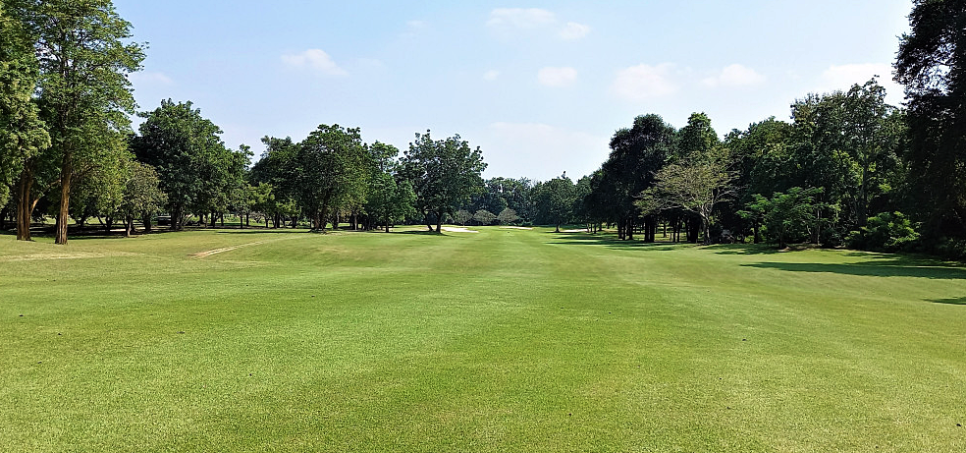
{"type": "Point", "coordinates": [418, 232]}
{"type": "Point", "coordinates": [958, 301]}
{"type": "Point", "coordinates": [746, 249]}
{"type": "Point", "coordinates": [886, 267]}
{"type": "Point", "coordinates": [610, 241]}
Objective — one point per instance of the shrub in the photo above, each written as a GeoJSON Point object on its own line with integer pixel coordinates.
{"type": "Point", "coordinates": [886, 232]}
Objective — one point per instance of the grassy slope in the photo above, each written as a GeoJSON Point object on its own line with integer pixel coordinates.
{"type": "Point", "coordinates": [506, 340]}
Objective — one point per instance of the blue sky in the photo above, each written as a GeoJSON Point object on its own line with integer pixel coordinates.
{"type": "Point", "coordinates": [539, 86]}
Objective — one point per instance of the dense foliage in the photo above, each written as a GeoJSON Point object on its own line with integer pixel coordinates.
{"type": "Point", "coordinates": [846, 169]}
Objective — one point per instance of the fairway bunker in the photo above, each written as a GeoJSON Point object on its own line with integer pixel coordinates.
{"type": "Point", "coordinates": [458, 230]}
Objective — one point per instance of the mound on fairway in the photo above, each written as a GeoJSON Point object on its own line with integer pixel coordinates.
{"type": "Point", "coordinates": [506, 340]}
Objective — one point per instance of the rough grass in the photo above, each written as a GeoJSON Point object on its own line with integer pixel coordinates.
{"type": "Point", "coordinates": [507, 340]}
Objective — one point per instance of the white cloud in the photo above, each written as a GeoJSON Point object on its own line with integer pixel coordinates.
{"type": "Point", "coordinates": [491, 75]}
{"type": "Point", "coordinates": [844, 76]}
{"type": "Point", "coordinates": [642, 82]}
{"type": "Point", "coordinates": [520, 18]}
{"type": "Point", "coordinates": [506, 21]}
{"type": "Point", "coordinates": [151, 78]}
{"type": "Point", "coordinates": [574, 31]}
{"type": "Point", "coordinates": [316, 60]}
{"type": "Point", "coordinates": [557, 77]}
{"type": "Point", "coordinates": [533, 145]}
{"type": "Point", "coordinates": [735, 75]}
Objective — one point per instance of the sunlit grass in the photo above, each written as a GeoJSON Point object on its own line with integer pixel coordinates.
{"type": "Point", "coordinates": [505, 340]}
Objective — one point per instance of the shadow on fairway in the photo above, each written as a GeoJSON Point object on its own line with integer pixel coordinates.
{"type": "Point", "coordinates": [609, 241]}
{"type": "Point", "coordinates": [959, 301]}
{"type": "Point", "coordinates": [896, 267]}
{"type": "Point", "coordinates": [420, 233]}
{"type": "Point", "coordinates": [746, 249]}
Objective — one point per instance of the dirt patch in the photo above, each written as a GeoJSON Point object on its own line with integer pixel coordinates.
{"type": "Point", "coordinates": [208, 253]}
{"type": "Point", "coordinates": [458, 230]}
{"type": "Point", "coordinates": [52, 256]}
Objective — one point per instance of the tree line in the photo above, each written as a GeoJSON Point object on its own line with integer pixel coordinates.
{"type": "Point", "coordinates": [845, 169]}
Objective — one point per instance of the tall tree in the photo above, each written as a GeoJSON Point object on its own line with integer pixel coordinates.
{"type": "Point", "coordinates": [23, 134]}
{"type": "Point", "coordinates": [332, 168]}
{"type": "Point", "coordinates": [186, 151]}
{"type": "Point", "coordinates": [636, 155]}
{"type": "Point", "coordinates": [85, 95]}
{"type": "Point", "coordinates": [695, 186]}
{"type": "Point", "coordinates": [931, 63]}
{"type": "Point", "coordinates": [390, 199]}
{"type": "Point", "coordinates": [555, 201]}
{"type": "Point", "coordinates": [443, 173]}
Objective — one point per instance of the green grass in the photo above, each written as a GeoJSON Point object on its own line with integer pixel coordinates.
{"type": "Point", "coordinates": [506, 340]}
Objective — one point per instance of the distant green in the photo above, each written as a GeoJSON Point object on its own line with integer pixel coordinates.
{"type": "Point", "coordinates": [503, 340]}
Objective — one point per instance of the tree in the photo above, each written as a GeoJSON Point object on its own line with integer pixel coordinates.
{"type": "Point", "coordinates": [22, 133]}
{"type": "Point", "coordinates": [443, 173]}
{"type": "Point", "coordinates": [788, 217]}
{"type": "Point", "coordinates": [85, 95]}
{"type": "Point", "coordinates": [507, 216]}
{"type": "Point", "coordinates": [142, 195]}
{"type": "Point", "coordinates": [389, 199]}
{"type": "Point", "coordinates": [331, 168]}
{"type": "Point", "coordinates": [931, 63]}
{"type": "Point", "coordinates": [278, 168]}
{"type": "Point", "coordinates": [872, 134]}
{"type": "Point", "coordinates": [484, 217]}
{"type": "Point", "coordinates": [462, 216]}
{"type": "Point", "coordinates": [186, 151]}
{"type": "Point", "coordinates": [696, 187]}
{"type": "Point", "coordinates": [636, 155]}
{"type": "Point", "coordinates": [555, 201]}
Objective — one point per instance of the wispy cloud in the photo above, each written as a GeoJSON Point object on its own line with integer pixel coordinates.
{"type": "Point", "coordinates": [316, 60]}
{"type": "Point", "coordinates": [506, 21]}
{"type": "Point", "coordinates": [735, 75]}
{"type": "Point", "coordinates": [520, 18]}
{"type": "Point", "coordinates": [413, 27]}
{"type": "Point", "coordinates": [151, 78]}
{"type": "Point", "coordinates": [557, 77]}
{"type": "Point", "coordinates": [643, 82]}
{"type": "Point", "coordinates": [574, 31]}
{"type": "Point", "coordinates": [842, 77]}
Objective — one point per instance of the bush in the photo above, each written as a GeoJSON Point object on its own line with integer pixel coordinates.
{"type": "Point", "coordinates": [886, 232]}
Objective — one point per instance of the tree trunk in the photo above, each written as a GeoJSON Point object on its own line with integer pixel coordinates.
{"type": "Point", "coordinates": [66, 174]}
{"type": "Point", "coordinates": [3, 218]}
{"type": "Point", "coordinates": [108, 225]}
{"type": "Point", "coordinates": [176, 215]}
{"type": "Point", "coordinates": [128, 226]}
{"type": "Point", "coordinates": [630, 229]}
{"type": "Point", "coordinates": [25, 205]}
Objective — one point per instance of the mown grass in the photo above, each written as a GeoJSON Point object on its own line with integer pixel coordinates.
{"type": "Point", "coordinates": [506, 340]}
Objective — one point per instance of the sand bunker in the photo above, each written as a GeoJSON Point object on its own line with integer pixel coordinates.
{"type": "Point", "coordinates": [515, 228]}
{"type": "Point", "coordinates": [458, 230]}
{"type": "Point", "coordinates": [579, 230]}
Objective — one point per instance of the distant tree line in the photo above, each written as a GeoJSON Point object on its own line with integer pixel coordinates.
{"type": "Point", "coordinates": [846, 169]}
